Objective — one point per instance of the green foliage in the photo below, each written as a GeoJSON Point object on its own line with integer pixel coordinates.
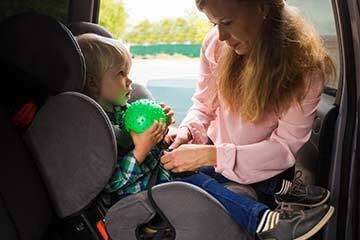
{"type": "Point", "coordinates": [180, 30]}
{"type": "Point", "coordinates": [142, 33]}
{"type": "Point", "coordinates": [113, 16]}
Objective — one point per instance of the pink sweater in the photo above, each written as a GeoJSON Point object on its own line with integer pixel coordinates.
{"type": "Point", "coordinates": [248, 152]}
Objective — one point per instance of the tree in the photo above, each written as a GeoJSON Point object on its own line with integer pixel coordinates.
{"type": "Point", "coordinates": [166, 34]}
{"type": "Point", "coordinates": [180, 30]}
{"type": "Point", "coordinates": [142, 33]}
{"type": "Point", "coordinates": [113, 17]}
{"type": "Point", "coordinates": [200, 29]}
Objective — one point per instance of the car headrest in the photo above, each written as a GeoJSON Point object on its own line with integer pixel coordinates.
{"type": "Point", "coordinates": [72, 141]}
{"type": "Point", "coordinates": [78, 28]}
{"type": "Point", "coordinates": [43, 48]}
{"type": "Point", "coordinates": [140, 92]}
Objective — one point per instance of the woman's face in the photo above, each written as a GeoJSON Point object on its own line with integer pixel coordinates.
{"type": "Point", "coordinates": [238, 22]}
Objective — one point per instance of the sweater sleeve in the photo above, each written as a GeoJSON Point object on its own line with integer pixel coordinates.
{"type": "Point", "coordinates": [205, 99]}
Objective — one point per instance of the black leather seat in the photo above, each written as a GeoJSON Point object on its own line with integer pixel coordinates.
{"type": "Point", "coordinates": [38, 59]}
{"type": "Point", "coordinates": [25, 210]}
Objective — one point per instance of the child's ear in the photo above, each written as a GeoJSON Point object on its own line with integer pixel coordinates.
{"type": "Point", "coordinates": [91, 83]}
{"type": "Point", "coordinates": [91, 87]}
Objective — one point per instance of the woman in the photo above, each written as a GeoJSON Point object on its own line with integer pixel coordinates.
{"type": "Point", "coordinates": [262, 73]}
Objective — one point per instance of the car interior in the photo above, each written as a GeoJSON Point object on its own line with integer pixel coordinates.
{"type": "Point", "coordinates": [59, 148]}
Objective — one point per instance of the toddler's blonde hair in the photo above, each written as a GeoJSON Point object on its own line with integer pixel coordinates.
{"type": "Point", "coordinates": [101, 54]}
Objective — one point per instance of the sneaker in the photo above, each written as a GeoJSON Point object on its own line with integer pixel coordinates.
{"type": "Point", "coordinates": [297, 225]}
{"type": "Point", "coordinates": [303, 195]}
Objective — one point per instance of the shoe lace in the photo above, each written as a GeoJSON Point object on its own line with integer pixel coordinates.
{"type": "Point", "coordinates": [297, 186]}
{"type": "Point", "coordinates": [285, 211]}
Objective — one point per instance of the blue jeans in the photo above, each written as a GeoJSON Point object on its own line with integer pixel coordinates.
{"type": "Point", "coordinates": [243, 210]}
{"type": "Point", "coordinates": [268, 187]}
{"type": "Point", "coordinates": [264, 189]}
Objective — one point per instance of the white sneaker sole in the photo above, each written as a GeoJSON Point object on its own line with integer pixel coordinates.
{"type": "Point", "coordinates": [318, 226]}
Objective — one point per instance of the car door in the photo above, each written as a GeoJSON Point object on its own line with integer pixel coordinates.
{"type": "Point", "coordinates": [314, 159]}
{"type": "Point", "coordinates": [344, 175]}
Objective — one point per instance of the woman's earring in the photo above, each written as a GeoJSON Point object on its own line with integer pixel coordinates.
{"type": "Point", "coordinates": [264, 17]}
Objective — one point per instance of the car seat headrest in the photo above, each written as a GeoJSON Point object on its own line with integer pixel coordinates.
{"type": "Point", "coordinates": [73, 143]}
{"type": "Point", "coordinates": [45, 49]}
{"type": "Point", "coordinates": [78, 28]}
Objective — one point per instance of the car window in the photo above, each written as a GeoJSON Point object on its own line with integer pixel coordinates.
{"type": "Point", "coordinates": [321, 14]}
{"type": "Point", "coordinates": [165, 42]}
{"type": "Point", "coordinates": [57, 9]}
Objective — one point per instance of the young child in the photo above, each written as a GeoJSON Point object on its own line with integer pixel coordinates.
{"type": "Point", "coordinates": [107, 67]}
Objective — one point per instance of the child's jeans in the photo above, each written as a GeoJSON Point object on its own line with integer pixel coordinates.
{"type": "Point", "coordinates": [265, 189]}
{"type": "Point", "coordinates": [268, 187]}
{"type": "Point", "coordinates": [243, 210]}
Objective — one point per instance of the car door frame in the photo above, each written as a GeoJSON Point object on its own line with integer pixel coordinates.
{"type": "Point", "coordinates": [83, 11]}
{"type": "Point", "coordinates": [352, 230]}
{"type": "Point", "coordinates": [343, 158]}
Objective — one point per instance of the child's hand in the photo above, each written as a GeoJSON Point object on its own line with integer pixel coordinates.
{"type": "Point", "coordinates": [169, 113]}
{"type": "Point", "coordinates": [171, 135]}
{"type": "Point", "coordinates": [177, 137]}
{"type": "Point", "coordinates": [145, 141]}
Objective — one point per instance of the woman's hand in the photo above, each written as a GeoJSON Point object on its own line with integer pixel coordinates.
{"type": "Point", "coordinates": [177, 137]}
{"type": "Point", "coordinates": [169, 113]}
{"type": "Point", "coordinates": [189, 157]}
{"type": "Point", "coordinates": [145, 141]}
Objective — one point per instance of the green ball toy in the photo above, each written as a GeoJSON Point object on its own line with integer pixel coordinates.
{"type": "Point", "coordinates": [142, 114]}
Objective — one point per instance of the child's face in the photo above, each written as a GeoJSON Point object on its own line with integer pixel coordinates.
{"type": "Point", "coordinates": [115, 86]}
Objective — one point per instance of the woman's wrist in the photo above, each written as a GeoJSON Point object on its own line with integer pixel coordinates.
{"type": "Point", "coordinates": [210, 158]}
{"type": "Point", "coordinates": [189, 134]}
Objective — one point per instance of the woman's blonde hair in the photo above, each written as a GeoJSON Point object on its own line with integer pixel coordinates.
{"type": "Point", "coordinates": [100, 55]}
{"type": "Point", "coordinates": [272, 74]}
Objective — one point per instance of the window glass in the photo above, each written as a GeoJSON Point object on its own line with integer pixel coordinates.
{"type": "Point", "coordinates": [165, 42]}
{"type": "Point", "coordinates": [320, 13]}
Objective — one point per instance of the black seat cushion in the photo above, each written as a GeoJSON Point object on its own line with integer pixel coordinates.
{"type": "Point", "coordinates": [24, 203]}
{"type": "Point", "coordinates": [39, 57]}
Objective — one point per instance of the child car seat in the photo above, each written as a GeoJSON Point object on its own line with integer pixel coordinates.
{"type": "Point", "coordinates": [73, 144]}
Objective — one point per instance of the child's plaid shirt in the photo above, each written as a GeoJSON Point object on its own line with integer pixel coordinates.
{"type": "Point", "coordinates": [129, 176]}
